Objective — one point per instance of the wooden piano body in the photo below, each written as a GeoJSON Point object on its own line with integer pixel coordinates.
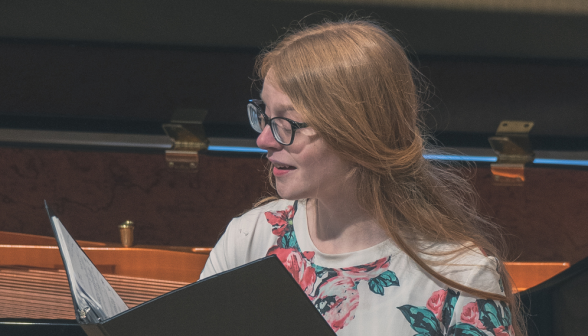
{"type": "Point", "coordinates": [34, 285]}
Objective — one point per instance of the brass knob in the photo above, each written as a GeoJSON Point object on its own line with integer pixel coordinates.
{"type": "Point", "coordinates": [126, 233]}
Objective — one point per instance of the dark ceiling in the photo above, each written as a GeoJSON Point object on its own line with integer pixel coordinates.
{"type": "Point", "coordinates": [252, 24]}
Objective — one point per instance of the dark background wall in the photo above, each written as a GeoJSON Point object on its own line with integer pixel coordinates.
{"type": "Point", "coordinates": [132, 63]}
{"type": "Point", "coordinates": [136, 82]}
{"type": "Point", "coordinates": [143, 59]}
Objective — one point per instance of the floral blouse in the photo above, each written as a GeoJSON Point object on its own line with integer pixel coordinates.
{"type": "Point", "coordinates": [376, 291]}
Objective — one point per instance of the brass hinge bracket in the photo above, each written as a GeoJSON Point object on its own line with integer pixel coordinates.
{"type": "Point", "coordinates": [187, 133]}
{"type": "Point", "coordinates": [513, 148]}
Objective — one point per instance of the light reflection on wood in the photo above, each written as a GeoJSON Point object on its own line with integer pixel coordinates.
{"type": "Point", "coordinates": [174, 263]}
{"type": "Point", "coordinates": [529, 274]}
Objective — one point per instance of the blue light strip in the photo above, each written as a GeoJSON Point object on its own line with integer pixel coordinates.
{"type": "Point", "coordinates": [460, 158]}
{"type": "Point", "coordinates": [236, 149]}
{"type": "Point", "coordinates": [444, 157]}
{"type": "Point", "coordinates": [561, 162]}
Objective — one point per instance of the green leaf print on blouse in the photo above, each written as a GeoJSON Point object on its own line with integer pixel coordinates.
{"type": "Point", "coordinates": [465, 330]}
{"type": "Point", "coordinates": [433, 319]}
{"type": "Point", "coordinates": [507, 319]}
{"type": "Point", "coordinates": [289, 240]}
{"type": "Point", "coordinates": [490, 315]}
{"type": "Point", "coordinates": [385, 279]}
{"type": "Point", "coordinates": [422, 320]}
{"type": "Point", "coordinates": [492, 318]}
{"type": "Point", "coordinates": [448, 307]}
{"type": "Point", "coordinates": [333, 291]}
{"type": "Point", "coordinates": [477, 318]}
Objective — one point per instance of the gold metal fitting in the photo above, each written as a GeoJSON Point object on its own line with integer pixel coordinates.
{"type": "Point", "coordinates": [513, 148]}
{"type": "Point", "coordinates": [126, 233]}
{"type": "Point", "coordinates": [187, 133]}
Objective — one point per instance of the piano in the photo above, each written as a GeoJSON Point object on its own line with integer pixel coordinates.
{"type": "Point", "coordinates": [35, 292]}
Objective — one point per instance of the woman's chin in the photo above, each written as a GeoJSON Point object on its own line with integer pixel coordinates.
{"type": "Point", "coordinates": [288, 196]}
{"type": "Point", "coordinates": [288, 193]}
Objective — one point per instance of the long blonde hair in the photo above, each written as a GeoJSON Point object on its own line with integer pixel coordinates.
{"type": "Point", "coordinates": [353, 84]}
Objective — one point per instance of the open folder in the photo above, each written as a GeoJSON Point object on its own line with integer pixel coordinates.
{"type": "Point", "coordinates": [259, 298]}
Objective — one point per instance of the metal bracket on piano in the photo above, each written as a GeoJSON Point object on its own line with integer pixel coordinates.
{"type": "Point", "coordinates": [513, 149]}
{"type": "Point", "coordinates": [187, 134]}
{"type": "Point", "coordinates": [83, 312]}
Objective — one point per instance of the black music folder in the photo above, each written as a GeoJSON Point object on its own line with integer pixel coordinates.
{"type": "Point", "coordinates": [259, 298]}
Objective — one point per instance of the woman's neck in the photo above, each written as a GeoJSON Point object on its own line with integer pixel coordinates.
{"type": "Point", "coordinates": [340, 225]}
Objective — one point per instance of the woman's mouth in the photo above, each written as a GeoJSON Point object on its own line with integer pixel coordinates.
{"type": "Point", "coordinates": [280, 170]}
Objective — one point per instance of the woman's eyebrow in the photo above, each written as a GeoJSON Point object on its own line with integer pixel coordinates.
{"type": "Point", "coordinates": [285, 108]}
{"type": "Point", "coordinates": [282, 107]}
{"type": "Point", "coordinates": [279, 107]}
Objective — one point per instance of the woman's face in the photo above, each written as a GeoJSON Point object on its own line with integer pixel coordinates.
{"type": "Point", "coordinates": [307, 168]}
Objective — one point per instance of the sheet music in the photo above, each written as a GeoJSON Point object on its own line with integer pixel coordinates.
{"type": "Point", "coordinates": [95, 298]}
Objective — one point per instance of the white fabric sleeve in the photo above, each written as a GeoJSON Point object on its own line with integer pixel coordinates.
{"type": "Point", "coordinates": [222, 256]}
{"type": "Point", "coordinates": [473, 314]}
{"type": "Point", "coordinates": [247, 238]}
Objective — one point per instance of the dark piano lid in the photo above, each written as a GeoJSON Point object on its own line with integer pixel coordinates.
{"type": "Point", "coordinates": [35, 327]}
{"type": "Point", "coordinates": [132, 86]}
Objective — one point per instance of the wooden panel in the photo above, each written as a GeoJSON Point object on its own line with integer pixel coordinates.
{"type": "Point", "coordinates": [528, 274]}
{"type": "Point", "coordinates": [45, 294]}
{"type": "Point", "coordinates": [186, 267]}
{"type": "Point", "coordinates": [14, 238]}
{"type": "Point", "coordinates": [33, 284]}
{"type": "Point", "coordinates": [185, 263]}
{"type": "Point", "coordinates": [174, 263]}
{"type": "Point", "coordinates": [136, 262]}
{"type": "Point", "coordinates": [543, 221]}
{"type": "Point", "coordinates": [92, 192]}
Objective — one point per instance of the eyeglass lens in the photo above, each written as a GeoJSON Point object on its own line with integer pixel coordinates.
{"type": "Point", "coordinates": [255, 118]}
{"type": "Point", "coordinates": [281, 128]}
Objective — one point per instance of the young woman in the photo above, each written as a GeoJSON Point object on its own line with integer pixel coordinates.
{"type": "Point", "coordinates": [381, 240]}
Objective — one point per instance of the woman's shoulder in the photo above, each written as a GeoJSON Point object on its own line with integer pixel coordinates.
{"type": "Point", "coordinates": [270, 207]}
{"type": "Point", "coordinates": [466, 264]}
{"type": "Point", "coordinates": [248, 237]}
{"type": "Point", "coordinates": [264, 214]}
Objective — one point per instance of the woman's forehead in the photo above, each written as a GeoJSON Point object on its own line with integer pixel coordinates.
{"type": "Point", "coordinates": [277, 103]}
{"type": "Point", "coordinates": [274, 98]}
{"type": "Point", "coordinates": [271, 88]}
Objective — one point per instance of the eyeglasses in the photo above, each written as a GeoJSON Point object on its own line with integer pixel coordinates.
{"type": "Point", "coordinates": [283, 129]}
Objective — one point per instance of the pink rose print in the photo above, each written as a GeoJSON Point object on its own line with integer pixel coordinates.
{"type": "Point", "coordinates": [298, 264]}
{"type": "Point", "coordinates": [333, 291]}
{"type": "Point", "coordinates": [470, 314]}
{"type": "Point", "coordinates": [337, 296]}
{"type": "Point", "coordinates": [337, 300]}
{"type": "Point", "coordinates": [279, 220]}
{"type": "Point", "coordinates": [435, 302]}
{"type": "Point", "coordinates": [367, 271]}
{"type": "Point", "coordinates": [502, 331]}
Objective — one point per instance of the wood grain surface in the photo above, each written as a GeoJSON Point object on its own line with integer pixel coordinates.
{"type": "Point", "coordinates": [93, 192]}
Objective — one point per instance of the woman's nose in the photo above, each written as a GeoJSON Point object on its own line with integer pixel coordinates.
{"type": "Point", "coordinates": [266, 140]}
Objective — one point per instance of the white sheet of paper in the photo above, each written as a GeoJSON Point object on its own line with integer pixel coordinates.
{"type": "Point", "coordinates": [89, 287]}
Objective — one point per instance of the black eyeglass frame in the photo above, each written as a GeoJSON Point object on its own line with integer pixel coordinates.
{"type": "Point", "coordinates": [257, 103]}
